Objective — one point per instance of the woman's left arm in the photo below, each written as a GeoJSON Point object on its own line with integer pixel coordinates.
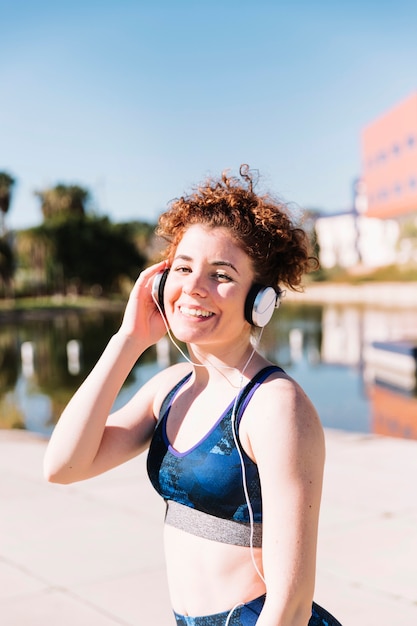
{"type": "Point", "coordinates": [287, 443]}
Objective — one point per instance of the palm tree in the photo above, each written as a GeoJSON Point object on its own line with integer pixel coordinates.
{"type": "Point", "coordinates": [6, 184]}
{"type": "Point", "coordinates": [63, 201]}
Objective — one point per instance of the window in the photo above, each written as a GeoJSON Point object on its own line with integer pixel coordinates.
{"type": "Point", "coordinates": [382, 194]}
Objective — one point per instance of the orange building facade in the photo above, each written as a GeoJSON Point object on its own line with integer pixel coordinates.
{"type": "Point", "coordinates": [393, 413]}
{"type": "Point", "coordinates": [389, 154]}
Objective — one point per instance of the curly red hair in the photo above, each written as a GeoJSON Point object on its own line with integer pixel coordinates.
{"type": "Point", "coordinates": [262, 226]}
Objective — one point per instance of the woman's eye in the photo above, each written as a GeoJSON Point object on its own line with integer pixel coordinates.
{"type": "Point", "coordinates": [182, 269]}
{"type": "Point", "coordinates": [223, 277]}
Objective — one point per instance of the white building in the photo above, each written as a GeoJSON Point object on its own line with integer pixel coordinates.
{"type": "Point", "coordinates": [349, 239]}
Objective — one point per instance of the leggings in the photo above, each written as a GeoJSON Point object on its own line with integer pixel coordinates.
{"type": "Point", "coordinates": [247, 615]}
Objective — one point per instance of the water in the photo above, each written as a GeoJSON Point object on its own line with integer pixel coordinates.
{"type": "Point", "coordinates": [44, 358]}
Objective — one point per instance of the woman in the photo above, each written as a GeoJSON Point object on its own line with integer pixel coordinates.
{"type": "Point", "coordinates": [235, 447]}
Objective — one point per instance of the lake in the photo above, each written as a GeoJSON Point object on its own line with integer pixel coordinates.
{"type": "Point", "coordinates": [325, 347]}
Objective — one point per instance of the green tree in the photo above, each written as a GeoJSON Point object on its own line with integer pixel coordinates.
{"type": "Point", "coordinates": [63, 201]}
{"type": "Point", "coordinates": [6, 185]}
{"type": "Point", "coordinates": [34, 250]}
{"type": "Point", "coordinates": [90, 252]}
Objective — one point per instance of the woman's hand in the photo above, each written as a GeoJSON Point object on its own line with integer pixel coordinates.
{"type": "Point", "coordinates": [142, 319]}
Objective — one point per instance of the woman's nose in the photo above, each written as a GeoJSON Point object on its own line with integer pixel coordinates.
{"type": "Point", "coordinates": [194, 285]}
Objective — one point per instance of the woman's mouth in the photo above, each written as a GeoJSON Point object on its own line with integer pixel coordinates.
{"type": "Point", "coordinates": [195, 312]}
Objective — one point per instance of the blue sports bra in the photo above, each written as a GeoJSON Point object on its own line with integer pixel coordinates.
{"type": "Point", "coordinates": [205, 483]}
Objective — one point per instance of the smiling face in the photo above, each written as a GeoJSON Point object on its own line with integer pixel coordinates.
{"type": "Point", "coordinates": [206, 288]}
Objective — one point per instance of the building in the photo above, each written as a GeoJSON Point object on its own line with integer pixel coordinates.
{"type": "Point", "coordinates": [380, 228]}
{"type": "Point", "coordinates": [349, 239]}
{"type": "Point", "coordinates": [389, 167]}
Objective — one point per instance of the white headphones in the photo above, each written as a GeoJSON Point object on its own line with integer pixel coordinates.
{"type": "Point", "coordinates": [260, 305]}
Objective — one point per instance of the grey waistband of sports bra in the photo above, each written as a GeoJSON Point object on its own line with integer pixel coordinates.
{"type": "Point", "coordinates": [210, 527]}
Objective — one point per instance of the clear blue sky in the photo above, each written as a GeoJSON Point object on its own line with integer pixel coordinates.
{"type": "Point", "coordinates": [138, 100]}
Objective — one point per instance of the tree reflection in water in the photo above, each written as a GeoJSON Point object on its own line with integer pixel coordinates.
{"type": "Point", "coordinates": [44, 358]}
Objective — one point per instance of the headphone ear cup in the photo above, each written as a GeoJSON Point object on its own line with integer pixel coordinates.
{"type": "Point", "coordinates": [260, 305]}
{"type": "Point", "coordinates": [158, 286]}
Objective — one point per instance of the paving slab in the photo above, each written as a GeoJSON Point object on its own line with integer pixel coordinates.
{"type": "Point", "coordinates": [90, 554]}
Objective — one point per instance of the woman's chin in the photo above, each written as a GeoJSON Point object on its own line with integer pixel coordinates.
{"type": "Point", "coordinates": [191, 329]}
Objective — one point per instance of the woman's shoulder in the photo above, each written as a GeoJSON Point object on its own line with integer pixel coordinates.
{"type": "Point", "coordinates": [278, 383]}
{"type": "Point", "coordinates": [281, 404]}
{"type": "Point", "coordinates": [281, 425]}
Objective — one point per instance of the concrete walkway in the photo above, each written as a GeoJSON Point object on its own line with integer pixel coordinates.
{"type": "Point", "coordinates": [90, 554]}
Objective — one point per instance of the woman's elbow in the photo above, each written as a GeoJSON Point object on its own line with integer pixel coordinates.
{"type": "Point", "coordinates": [55, 477]}
{"type": "Point", "coordinates": [58, 474]}
{"type": "Point", "coordinates": [296, 613]}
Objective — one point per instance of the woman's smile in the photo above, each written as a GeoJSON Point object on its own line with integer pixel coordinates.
{"type": "Point", "coordinates": [194, 312]}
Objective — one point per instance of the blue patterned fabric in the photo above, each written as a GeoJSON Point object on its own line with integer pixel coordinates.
{"type": "Point", "coordinates": [321, 617]}
{"type": "Point", "coordinates": [208, 477]}
{"type": "Point", "coordinates": [247, 615]}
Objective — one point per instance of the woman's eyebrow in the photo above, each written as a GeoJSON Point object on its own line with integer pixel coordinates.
{"type": "Point", "coordinates": [225, 264]}
{"type": "Point", "coordinates": [185, 257]}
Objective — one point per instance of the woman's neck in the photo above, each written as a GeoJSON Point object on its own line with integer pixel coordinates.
{"type": "Point", "coordinates": [230, 363]}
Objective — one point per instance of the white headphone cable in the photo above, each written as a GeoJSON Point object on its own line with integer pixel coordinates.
{"type": "Point", "coordinates": [244, 481]}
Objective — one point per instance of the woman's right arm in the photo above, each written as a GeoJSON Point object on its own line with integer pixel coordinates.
{"type": "Point", "coordinates": [86, 441]}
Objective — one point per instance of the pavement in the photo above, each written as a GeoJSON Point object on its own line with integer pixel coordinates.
{"type": "Point", "coordinates": [90, 554]}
